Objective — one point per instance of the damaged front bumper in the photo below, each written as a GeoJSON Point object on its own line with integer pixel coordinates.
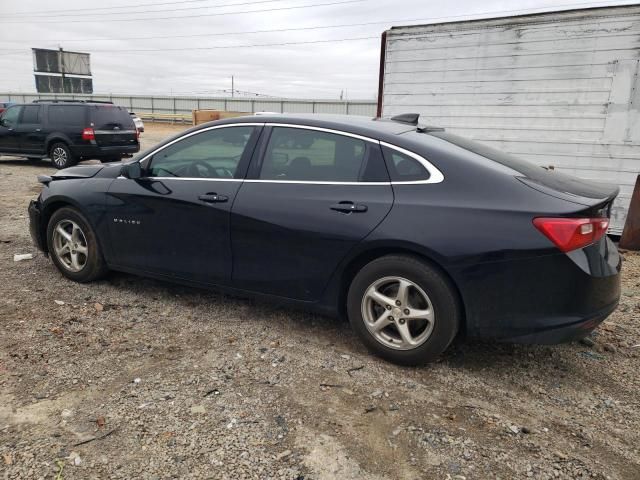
{"type": "Point", "coordinates": [35, 225]}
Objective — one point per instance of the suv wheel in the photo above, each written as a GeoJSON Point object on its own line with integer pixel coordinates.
{"type": "Point", "coordinates": [73, 246]}
{"type": "Point", "coordinates": [61, 155]}
{"type": "Point", "coordinates": [403, 309]}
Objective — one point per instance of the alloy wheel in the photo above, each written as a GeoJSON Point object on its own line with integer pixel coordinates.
{"type": "Point", "coordinates": [59, 156]}
{"type": "Point", "coordinates": [398, 313]}
{"type": "Point", "coordinates": [70, 245]}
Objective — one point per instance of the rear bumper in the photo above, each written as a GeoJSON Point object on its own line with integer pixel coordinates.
{"type": "Point", "coordinates": [35, 226]}
{"type": "Point", "coordinates": [549, 299]}
{"type": "Point", "coordinates": [95, 151]}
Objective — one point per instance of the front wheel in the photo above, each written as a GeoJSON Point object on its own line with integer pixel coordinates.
{"type": "Point", "coordinates": [61, 156]}
{"type": "Point", "coordinates": [74, 247]}
{"type": "Point", "coordinates": [403, 309]}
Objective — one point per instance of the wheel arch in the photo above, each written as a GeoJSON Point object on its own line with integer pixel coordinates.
{"type": "Point", "coordinates": [355, 263]}
{"type": "Point", "coordinates": [56, 138]}
{"type": "Point", "coordinates": [53, 205]}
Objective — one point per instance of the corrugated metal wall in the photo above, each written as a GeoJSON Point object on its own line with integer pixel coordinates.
{"type": "Point", "coordinates": [558, 89]}
{"type": "Point", "coordinates": [169, 104]}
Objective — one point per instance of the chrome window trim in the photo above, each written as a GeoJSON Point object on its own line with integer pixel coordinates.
{"type": "Point", "coordinates": [214, 127]}
{"type": "Point", "coordinates": [435, 175]}
{"type": "Point", "coordinates": [322, 129]}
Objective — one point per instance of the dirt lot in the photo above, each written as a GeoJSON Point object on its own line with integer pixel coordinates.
{"type": "Point", "coordinates": [134, 378]}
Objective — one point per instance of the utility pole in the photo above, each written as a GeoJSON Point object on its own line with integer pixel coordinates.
{"type": "Point", "coordinates": [232, 87]}
{"type": "Point", "coordinates": [61, 60]}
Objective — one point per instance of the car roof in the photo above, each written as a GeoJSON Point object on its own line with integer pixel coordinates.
{"type": "Point", "coordinates": [356, 124]}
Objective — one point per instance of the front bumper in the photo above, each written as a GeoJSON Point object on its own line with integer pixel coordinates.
{"type": "Point", "coordinates": [547, 299]}
{"type": "Point", "coordinates": [35, 225]}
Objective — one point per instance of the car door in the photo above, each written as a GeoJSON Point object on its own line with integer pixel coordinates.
{"type": "Point", "coordinates": [175, 220]}
{"type": "Point", "coordinates": [311, 195]}
{"type": "Point", "coordinates": [31, 137]}
{"type": "Point", "coordinates": [9, 139]}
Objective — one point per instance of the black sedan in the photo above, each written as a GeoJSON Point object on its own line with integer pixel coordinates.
{"type": "Point", "coordinates": [415, 234]}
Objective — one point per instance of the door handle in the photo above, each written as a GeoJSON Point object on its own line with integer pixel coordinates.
{"type": "Point", "coordinates": [38, 129]}
{"type": "Point", "coordinates": [213, 198]}
{"type": "Point", "coordinates": [348, 207]}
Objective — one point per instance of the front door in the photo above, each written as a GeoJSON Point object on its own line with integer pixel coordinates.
{"type": "Point", "coordinates": [9, 138]}
{"type": "Point", "coordinates": [175, 220]}
{"type": "Point", "coordinates": [315, 195]}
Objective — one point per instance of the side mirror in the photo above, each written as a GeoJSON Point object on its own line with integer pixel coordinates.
{"type": "Point", "coordinates": [131, 170]}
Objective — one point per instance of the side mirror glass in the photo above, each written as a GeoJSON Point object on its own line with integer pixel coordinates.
{"type": "Point", "coordinates": [131, 170]}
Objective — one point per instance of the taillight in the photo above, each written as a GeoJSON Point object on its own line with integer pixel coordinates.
{"type": "Point", "coordinates": [88, 134]}
{"type": "Point", "coordinates": [572, 233]}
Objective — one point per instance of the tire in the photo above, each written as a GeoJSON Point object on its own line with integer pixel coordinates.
{"type": "Point", "coordinates": [61, 156]}
{"type": "Point", "coordinates": [91, 263]}
{"type": "Point", "coordinates": [431, 296]}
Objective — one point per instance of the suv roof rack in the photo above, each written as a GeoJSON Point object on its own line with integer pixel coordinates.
{"type": "Point", "coordinates": [71, 101]}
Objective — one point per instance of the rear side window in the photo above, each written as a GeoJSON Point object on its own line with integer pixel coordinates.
{"type": "Point", "coordinates": [106, 117]}
{"type": "Point", "coordinates": [403, 168]}
{"type": "Point", "coordinates": [31, 114]}
{"type": "Point", "coordinates": [312, 155]}
{"type": "Point", "coordinates": [73, 115]}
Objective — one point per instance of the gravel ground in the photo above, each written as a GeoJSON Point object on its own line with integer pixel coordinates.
{"type": "Point", "coordinates": [133, 378]}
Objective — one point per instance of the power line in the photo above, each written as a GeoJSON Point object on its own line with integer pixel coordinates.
{"type": "Point", "coordinates": [93, 9]}
{"type": "Point", "coordinates": [173, 17]}
{"type": "Point", "coordinates": [246, 32]}
{"type": "Point", "coordinates": [182, 49]}
{"type": "Point", "coordinates": [151, 11]}
{"type": "Point", "coordinates": [314, 27]}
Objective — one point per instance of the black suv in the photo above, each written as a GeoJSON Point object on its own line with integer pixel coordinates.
{"type": "Point", "coordinates": [68, 132]}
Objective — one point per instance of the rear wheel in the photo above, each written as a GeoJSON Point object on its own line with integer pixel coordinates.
{"type": "Point", "coordinates": [61, 156]}
{"type": "Point", "coordinates": [403, 309]}
{"type": "Point", "coordinates": [73, 246]}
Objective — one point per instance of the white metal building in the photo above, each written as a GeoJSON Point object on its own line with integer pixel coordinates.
{"type": "Point", "coordinates": [558, 89]}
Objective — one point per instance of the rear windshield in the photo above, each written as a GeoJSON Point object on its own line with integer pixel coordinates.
{"type": "Point", "coordinates": [541, 176]}
{"type": "Point", "coordinates": [67, 115]}
{"type": "Point", "coordinates": [522, 166]}
{"type": "Point", "coordinates": [106, 117]}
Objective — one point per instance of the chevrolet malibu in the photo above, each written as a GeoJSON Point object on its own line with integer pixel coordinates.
{"type": "Point", "coordinates": [413, 233]}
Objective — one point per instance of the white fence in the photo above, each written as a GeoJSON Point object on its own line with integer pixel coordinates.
{"type": "Point", "coordinates": [183, 104]}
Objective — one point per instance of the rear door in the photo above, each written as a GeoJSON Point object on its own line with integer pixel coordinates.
{"type": "Point", "coordinates": [175, 220]}
{"type": "Point", "coordinates": [113, 126]}
{"type": "Point", "coordinates": [312, 195]}
{"type": "Point", "coordinates": [31, 136]}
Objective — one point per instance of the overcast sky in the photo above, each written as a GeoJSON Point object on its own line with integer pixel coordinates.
{"type": "Point", "coordinates": [114, 34]}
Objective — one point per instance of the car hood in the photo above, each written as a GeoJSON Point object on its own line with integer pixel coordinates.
{"type": "Point", "coordinates": [82, 171]}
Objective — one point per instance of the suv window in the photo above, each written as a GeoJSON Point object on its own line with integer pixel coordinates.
{"type": "Point", "coordinates": [403, 168]}
{"type": "Point", "coordinates": [106, 117]}
{"type": "Point", "coordinates": [73, 115]}
{"type": "Point", "coordinates": [10, 116]}
{"type": "Point", "coordinates": [31, 114]}
{"type": "Point", "coordinates": [312, 155]}
{"type": "Point", "coordinates": [210, 154]}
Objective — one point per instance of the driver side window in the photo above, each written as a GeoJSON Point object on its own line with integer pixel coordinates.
{"type": "Point", "coordinates": [10, 116]}
{"type": "Point", "coordinates": [210, 154]}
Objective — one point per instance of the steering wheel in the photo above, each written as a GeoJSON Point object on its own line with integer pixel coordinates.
{"type": "Point", "coordinates": [194, 170]}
